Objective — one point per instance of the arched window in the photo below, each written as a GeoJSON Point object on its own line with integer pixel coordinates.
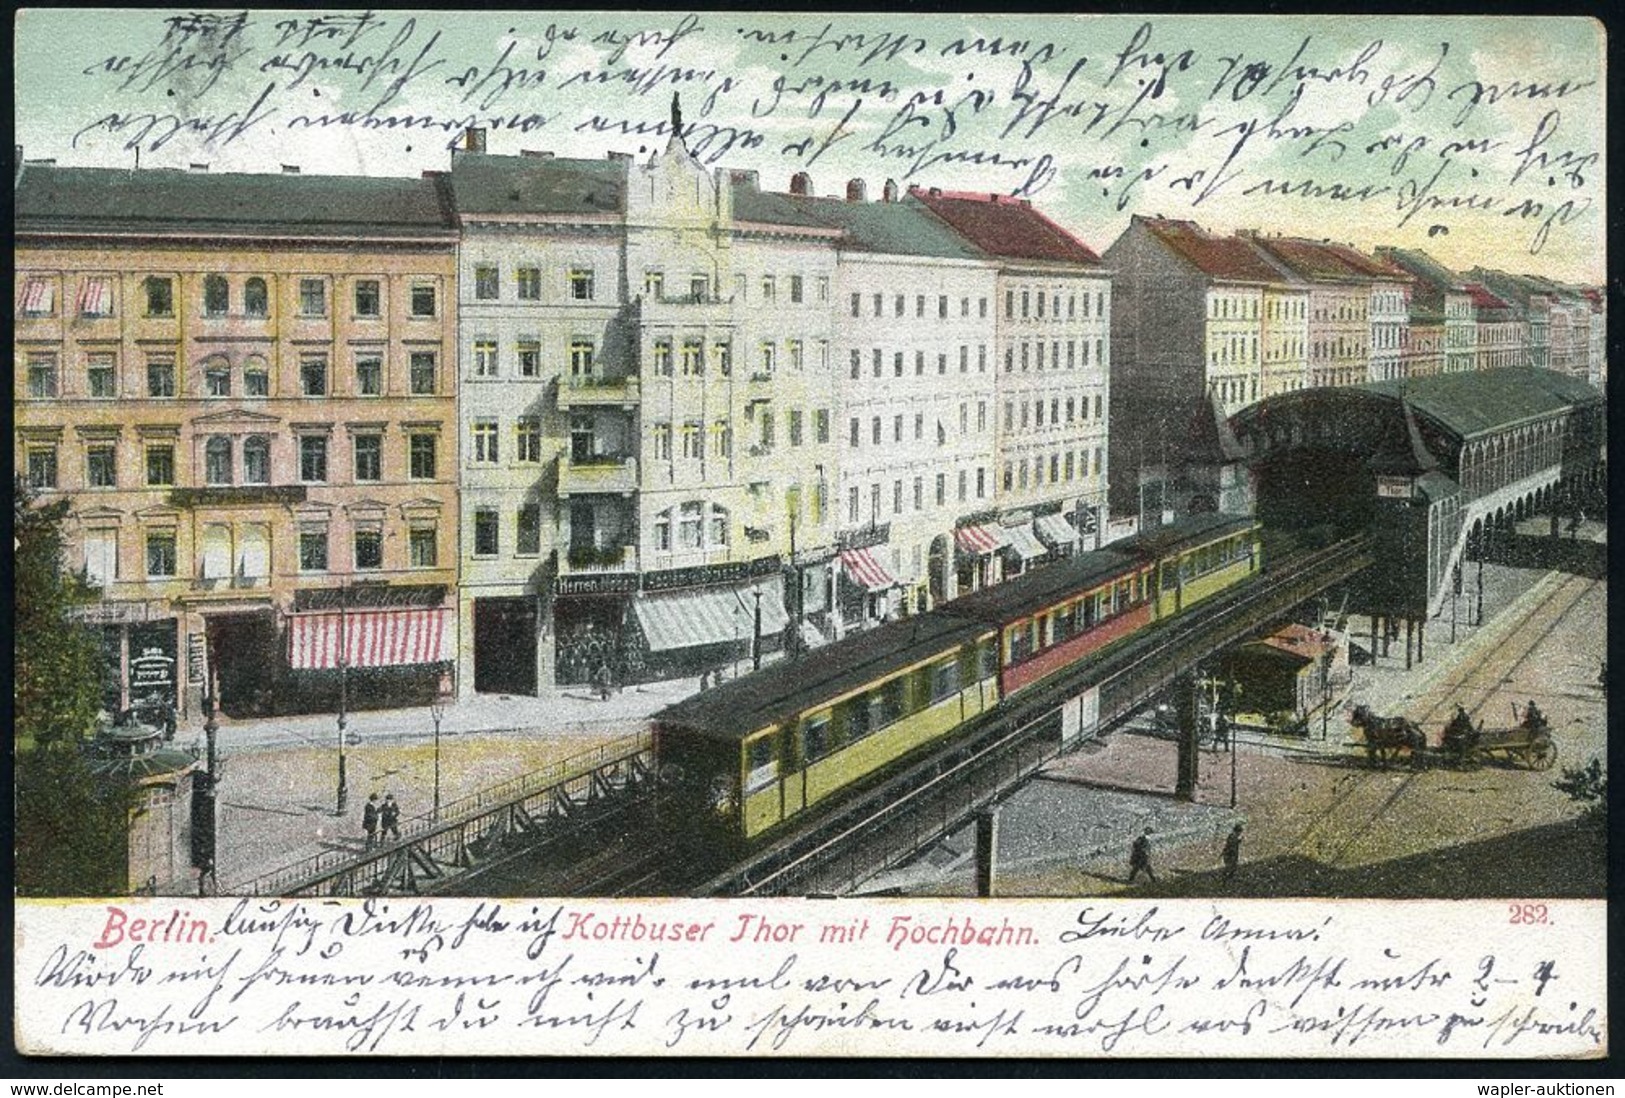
{"type": "Point", "coordinates": [257, 460]}
{"type": "Point", "coordinates": [255, 299]}
{"type": "Point", "coordinates": [217, 460]}
{"type": "Point", "coordinates": [256, 377]}
{"type": "Point", "coordinates": [216, 296]}
{"type": "Point", "coordinates": [217, 377]}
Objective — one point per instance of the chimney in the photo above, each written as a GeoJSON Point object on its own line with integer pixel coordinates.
{"type": "Point", "coordinates": [740, 177]}
{"type": "Point", "coordinates": [801, 183]}
{"type": "Point", "coordinates": [474, 139]}
{"type": "Point", "coordinates": [536, 154]}
{"type": "Point", "coordinates": [618, 156]}
{"type": "Point", "coordinates": [936, 192]}
{"type": "Point", "coordinates": [1247, 234]}
{"type": "Point", "coordinates": [197, 167]}
{"type": "Point", "coordinates": [290, 169]}
{"type": "Point", "coordinates": [857, 191]}
{"type": "Point", "coordinates": [889, 192]}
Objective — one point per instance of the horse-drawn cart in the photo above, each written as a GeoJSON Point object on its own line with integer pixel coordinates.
{"type": "Point", "coordinates": [1529, 744]}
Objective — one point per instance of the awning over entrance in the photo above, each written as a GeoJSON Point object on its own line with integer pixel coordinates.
{"type": "Point", "coordinates": [1024, 542]}
{"type": "Point", "coordinates": [710, 615]}
{"type": "Point", "coordinates": [371, 638]}
{"type": "Point", "coordinates": [863, 569]}
{"type": "Point", "coordinates": [1055, 530]}
{"type": "Point", "coordinates": [979, 539]}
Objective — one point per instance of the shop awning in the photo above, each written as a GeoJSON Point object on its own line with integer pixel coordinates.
{"type": "Point", "coordinates": [95, 297]}
{"type": "Point", "coordinates": [371, 638]}
{"type": "Point", "coordinates": [1023, 542]}
{"type": "Point", "coordinates": [710, 615]}
{"type": "Point", "coordinates": [864, 570]}
{"type": "Point", "coordinates": [38, 295]}
{"type": "Point", "coordinates": [1055, 530]}
{"type": "Point", "coordinates": [979, 539]}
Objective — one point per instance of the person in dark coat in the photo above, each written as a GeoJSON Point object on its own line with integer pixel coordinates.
{"type": "Point", "coordinates": [369, 820]}
{"type": "Point", "coordinates": [389, 818]}
{"type": "Point", "coordinates": [1232, 852]}
{"type": "Point", "coordinates": [1139, 858]}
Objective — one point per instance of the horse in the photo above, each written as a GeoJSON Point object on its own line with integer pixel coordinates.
{"type": "Point", "coordinates": [1386, 737]}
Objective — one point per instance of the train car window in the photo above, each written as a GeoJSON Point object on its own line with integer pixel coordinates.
{"type": "Point", "coordinates": [1021, 641]}
{"type": "Point", "coordinates": [1064, 619]}
{"type": "Point", "coordinates": [815, 741]}
{"type": "Point", "coordinates": [763, 762]}
{"type": "Point", "coordinates": [1046, 631]}
{"type": "Point", "coordinates": [1091, 612]}
{"type": "Point", "coordinates": [856, 713]}
{"type": "Point", "coordinates": [944, 679]}
{"type": "Point", "coordinates": [988, 653]}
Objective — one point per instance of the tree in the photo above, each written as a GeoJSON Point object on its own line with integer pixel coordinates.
{"type": "Point", "coordinates": [1587, 785]}
{"type": "Point", "coordinates": [72, 830]}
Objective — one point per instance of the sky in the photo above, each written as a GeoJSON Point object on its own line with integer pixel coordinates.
{"type": "Point", "coordinates": [1479, 139]}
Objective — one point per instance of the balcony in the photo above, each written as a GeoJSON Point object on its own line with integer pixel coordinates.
{"type": "Point", "coordinates": [616, 473]}
{"type": "Point", "coordinates": [587, 560]}
{"type": "Point", "coordinates": [590, 389]}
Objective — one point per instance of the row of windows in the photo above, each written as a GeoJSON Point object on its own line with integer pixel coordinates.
{"type": "Point", "coordinates": [582, 284]}
{"type": "Point", "coordinates": [1032, 351]}
{"type": "Point", "coordinates": [1234, 390]}
{"type": "Point", "coordinates": [698, 525]}
{"type": "Point", "coordinates": [1062, 469]}
{"type": "Point", "coordinates": [877, 432]}
{"type": "Point", "coordinates": [486, 533]}
{"type": "Point", "coordinates": [243, 553]}
{"type": "Point", "coordinates": [1032, 304]}
{"type": "Point", "coordinates": [251, 298]}
{"type": "Point", "coordinates": [922, 305]}
{"type": "Point", "coordinates": [900, 499]}
{"type": "Point", "coordinates": [1074, 408]}
{"type": "Point", "coordinates": [228, 461]}
{"type": "Point", "coordinates": [763, 433]}
{"type": "Point", "coordinates": [219, 378]}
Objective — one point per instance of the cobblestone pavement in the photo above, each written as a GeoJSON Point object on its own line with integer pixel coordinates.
{"type": "Point", "coordinates": [1319, 820]}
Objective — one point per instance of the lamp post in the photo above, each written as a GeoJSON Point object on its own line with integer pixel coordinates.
{"type": "Point", "coordinates": [344, 698]}
{"type": "Point", "coordinates": [438, 711]}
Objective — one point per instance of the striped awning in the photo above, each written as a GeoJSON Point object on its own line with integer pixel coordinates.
{"type": "Point", "coordinates": [38, 296]}
{"type": "Point", "coordinates": [1024, 543]}
{"type": "Point", "coordinates": [864, 570]}
{"type": "Point", "coordinates": [979, 539]}
{"type": "Point", "coordinates": [1055, 530]}
{"type": "Point", "coordinates": [371, 638]}
{"type": "Point", "coordinates": [95, 297]}
{"type": "Point", "coordinates": [710, 615]}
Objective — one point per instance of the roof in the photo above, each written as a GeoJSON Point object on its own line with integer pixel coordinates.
{"type": "Point", "coordinates": [1485, 301]}
{"type": "Point", "coordinates": [1514, 289]}
{"type": "Point", "coordinates": [887, 228]}
{"type": "Point", "coordinates": [1005, 227]}
{"type": "Point", "coordinates": [780, 690]}
{"type": "Point", "coordinates": [485, 184]}
{"type": "Point", "coordinates": [1299, 641]}
{"type": "Point", "coordinates": [169, 202]}
{"type": "Point", "coordinates": [1478, 402]}
{"type": "Point", "coordinates": [1319, 261]}
{"type": "Point", "coordinates": [1224, 257]}
{"type": "Point", "coordinates": [1041, 588]}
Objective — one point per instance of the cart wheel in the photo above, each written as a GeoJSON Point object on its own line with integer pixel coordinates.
{"type": "Point", "coordinates": [1542, 754]}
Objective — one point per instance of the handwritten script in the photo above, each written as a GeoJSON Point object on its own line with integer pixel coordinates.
{"type": "Point", "coordinates": [410, 977]}
{"type": "Point", "coordinates": [1118, 112]}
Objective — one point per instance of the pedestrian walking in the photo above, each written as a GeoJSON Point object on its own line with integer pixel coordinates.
{"type": "Point", "coordinates": [601, 678]}
{"type": "Point", "coordinates": [389, 818]}
{"type": "Point", "coordinates": [369, 820]}
{"type": "Point", "coordinates": [1232, 852]}
{"type": "Point", "coordinates": [1139, 858]}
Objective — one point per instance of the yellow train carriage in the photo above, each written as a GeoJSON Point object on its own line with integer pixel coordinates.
{"type": "Point", "coordinates": [1199, 558]}
{"type": "Point", "coordinates": [759, 750]}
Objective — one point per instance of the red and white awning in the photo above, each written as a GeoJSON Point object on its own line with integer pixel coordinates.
{"type": "Point", "coordinates": [863, 569]}
{"type": "Point", "coordinates": [371, 638]}
{"type": "Point", "coordinates": [37, 296]}
{"type": "Point", "coordinates": [979, 539]}
{"type": "Point", "coordinates": [95, 297]}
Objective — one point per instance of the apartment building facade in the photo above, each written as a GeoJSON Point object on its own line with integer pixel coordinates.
{"type": "Point", "coordinates": [242, 385]}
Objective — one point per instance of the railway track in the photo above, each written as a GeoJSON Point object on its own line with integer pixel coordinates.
{"type": "Point", "coordinates": [1370, 794]}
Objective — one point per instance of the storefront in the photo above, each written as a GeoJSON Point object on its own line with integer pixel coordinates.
{"type": "Point", "coordinates": [977, 564]}
{"type": "Point", "coordinates": [142, 656]}
{"type": "Point", "coordinates": [376, 646]}
{"type": "Point", "coordinates": [869, 593]}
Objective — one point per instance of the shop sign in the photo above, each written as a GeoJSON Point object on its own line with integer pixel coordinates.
{"type": "Point", "coordinates": [152, 663]}
{"type": "Point", "coordinates": [109, 613]}
{"type": "Point", "coordinates": [371, 596]}
{"type": "Point", "coordinates": [197, 659]}
{"type": "Point", "coordinates": [1394, 487]}
{"type": "Point", "coordinates": [705, 575]}
{"type": "Point", "coordinates": [606, 583]}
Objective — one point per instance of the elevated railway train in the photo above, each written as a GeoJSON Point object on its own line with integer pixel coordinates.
{"type": "Point", "coordinates": [745, 758]}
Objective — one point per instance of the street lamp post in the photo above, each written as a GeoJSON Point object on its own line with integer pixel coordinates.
{"type": "Point", "coordinates": [344, 698]}
{"type": "Point", "coordinates": [438, 711]}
